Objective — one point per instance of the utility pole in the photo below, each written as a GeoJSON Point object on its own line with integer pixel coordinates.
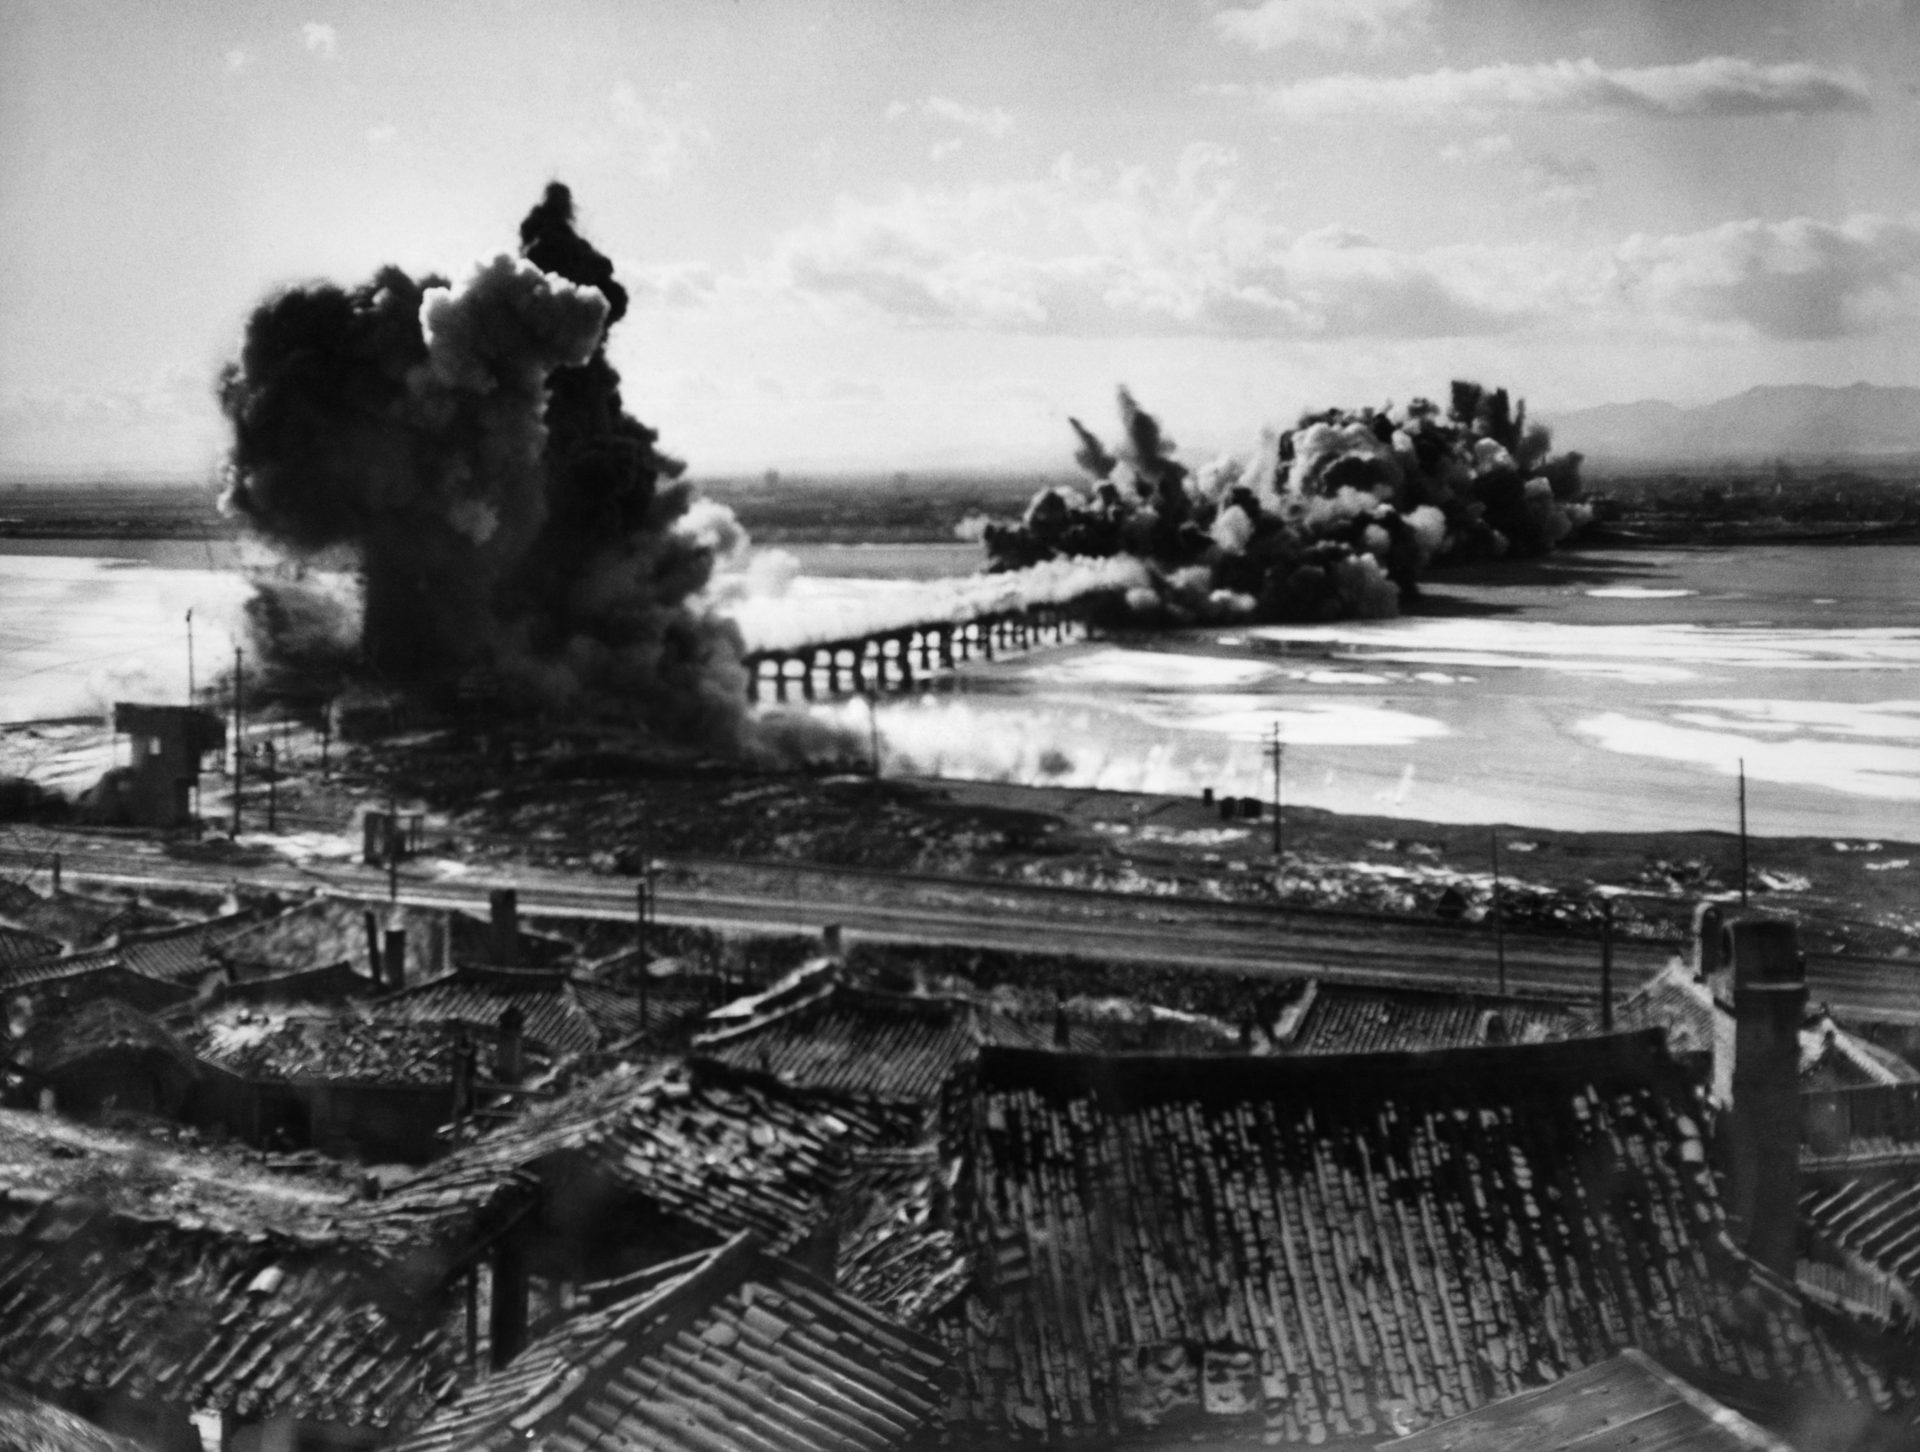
{"type": "Point", "coordinates": [393, 847]}
{"type": "Point", "coordinates": [1276, 748]}
{"type": "Point", "coordinates": [273, 778]}
{"type": "Point", "coordinates": [873, 732]}
{"type": "Point", "coordinates": [642, 912]}
{"type": "Point", "coordinates": [1499, 927]}
{"type": "Point", "coordinates": [1606, 965]}
{"type": "Point", "coordinates": [196, 756]}
{"type": "Point", "coordinates": [238, 726]}
{"type": "Point", "coordinates": [1743, 831]}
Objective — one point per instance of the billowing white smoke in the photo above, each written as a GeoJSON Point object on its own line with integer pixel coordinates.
{"type": "Point", "coordinates": [771, 621]}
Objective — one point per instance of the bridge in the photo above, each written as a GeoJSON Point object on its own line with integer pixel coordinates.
{"type": "Point", "coordinates": [901, 656]}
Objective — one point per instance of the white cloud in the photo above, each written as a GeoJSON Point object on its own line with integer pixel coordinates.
{"type": "Point", "coordinates": [1798, 279]}
{"type": "Point", "coordinates": [1080, 254]}
{"type": "Point", "coordinates": [941, 150]}
{"type": "Point", "coordinates": [897, 109]}
{"type": "Point", "coordinates": [1716, 86]}
{"type": "Point", "coordinates": [383, 135]}
{"type": "Point", "coordinates": [1562, 178]}
{"type": "Point", "coordinates": [238, 60]}
{"type": "Point", "coordinates": [666, 142]}
{"type": "Point", "coordinates": [1329, 24]}
{"type": "Point", "coordinates": [988, 121]}
{"type": "Point", "coordinates": [1077, 252]}
{"type": "Point", "coordinates": [1481, 148]}
{"type": "Point", "coordinates": [672, 285]}
{"type": "Point", "coordinates": [321, 39]}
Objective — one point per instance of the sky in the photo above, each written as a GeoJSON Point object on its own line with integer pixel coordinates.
{"type": "Point", "coordinates": [888, 235]}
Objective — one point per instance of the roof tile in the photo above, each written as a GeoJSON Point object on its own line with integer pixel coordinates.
{"type": "Point", "coordinates": [678, 1365]}
{"type": "Point", "coordinates": [1385, 1240]}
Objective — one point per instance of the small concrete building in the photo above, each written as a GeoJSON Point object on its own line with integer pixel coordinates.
{"type": "Point", "coordinates": [168, 743]}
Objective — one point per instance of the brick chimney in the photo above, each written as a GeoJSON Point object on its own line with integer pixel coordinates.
{"type": "Point", "coordinates": [396, 958]}
{"type": "Point", "coordinates": [506, 927]}
{"type": "Point", "coordinates": [509, 1056]}
{"type": "Point", "coordinates": [1709, 919]}
{"type": "Point", "coordinates": [1756, 1073]}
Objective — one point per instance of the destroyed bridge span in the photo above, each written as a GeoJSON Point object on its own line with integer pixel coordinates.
{"type": "Point", "coordinates": [898, 657]}
{"type": "Point", "coordinates": [904, 907]}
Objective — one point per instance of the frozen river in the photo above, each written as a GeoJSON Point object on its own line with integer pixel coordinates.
{"type": "Point", "coordinates": [1610, 690]}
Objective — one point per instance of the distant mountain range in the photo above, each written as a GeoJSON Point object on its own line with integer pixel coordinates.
{"type": "Point", "coordinates": [1794, 421]}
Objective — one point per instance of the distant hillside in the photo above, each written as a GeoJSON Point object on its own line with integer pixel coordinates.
{"type": "Point", "coordinates": [1795, 421]}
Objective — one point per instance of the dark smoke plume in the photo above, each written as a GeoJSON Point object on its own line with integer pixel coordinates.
{"type": "Point", "coordinates": [469, 449]}
{"type": "Point", "coordinates": [1335, 517]}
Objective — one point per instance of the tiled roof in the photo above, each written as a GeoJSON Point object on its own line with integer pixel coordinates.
{"type": "Point", "coordinates": [19, 947]}
{"type": "Point", "coordinates": [74, 980]}
{"type": "Point", "coordinates": [185, 1314]}
{"type": "Point", "coordinates": [564, 1014]}
{"type": "Point", "coordinates": [1347, 1018]}
{"type": "Point", "coordinates": [1104, 1026]}
{"type": "Point", "coordinates": [1876, 1219]}
{"type": "Point", "coordinates": [102, 1028]}
{"type": "Point", "coordinates": [721, 1351]}
{"type": "Point", "coordinates": [1831, 1057]}
{"type": "Point", "coordinates": [715, 1152]}
{"type": "Point", "coordinates": [884, 1045]}
{"type": "Point", "coordinates": [15, 896]}
{"type": "Point", "coordinates": [173, 956]}
{"type": "Point", "coordinates": [901, 1255]}
{"type": "Point", "coordinates": [1313, 1247]}
{"type": "Point", "coordinates": [30, 1425]}
{"type": "Point", "coordinates": [1628, 1400]}
{"type": "Point", "coordinates": [77, 921]}
{"type": "Point", "coordinates": [233, 1190]}
{"type": "Point", "coordinates": [1673, 1001]}
{"type": "Point", "coordinates": [336, 983]}
{"type": "Point", "coordinates": [331, 930]}
{"type": "Point", "coordinates": [199, 1278]}
{"type": "Point", "coordinates": [815, 1030]}
{"type": "Point", "coordinates": [345, 1048]}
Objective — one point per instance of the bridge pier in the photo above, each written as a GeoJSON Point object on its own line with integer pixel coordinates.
{"type": "Point", "coordinates": [902, 658]}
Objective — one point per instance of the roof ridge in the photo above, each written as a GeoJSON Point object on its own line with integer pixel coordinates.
{"type": "Point", "coordinates": [814, 997]}
{"type": "Point", "coordinates": [1639, 1054]}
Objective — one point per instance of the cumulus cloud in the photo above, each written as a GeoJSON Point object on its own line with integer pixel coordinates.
{"type": "Point", "coordinates": [1329, 24]}
{"type": "Point", "coordinates": [322, 40]}
{"type": "Point", "coordinates": [672, 284]}
{"type": "Point", "coordinates": [1080, 252]}
{"type": "Point", "coordinates": [1077, 252]}
{"type": "Point", "coordinates": [666, 143]}
{"type": "Point", "coordinates": [988, 121]}
{"type": "Point", "coordinates": [1716, 86]}
{"type": "Point", "coordinates": [1797, 279]}
{"type": "Point", "coordinates": [1481, 148]}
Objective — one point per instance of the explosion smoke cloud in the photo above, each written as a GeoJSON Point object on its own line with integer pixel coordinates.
{"type": "Point", "coordinates": [1334, 518]}
{"type": "Point", "coordinates": [467, 449]}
